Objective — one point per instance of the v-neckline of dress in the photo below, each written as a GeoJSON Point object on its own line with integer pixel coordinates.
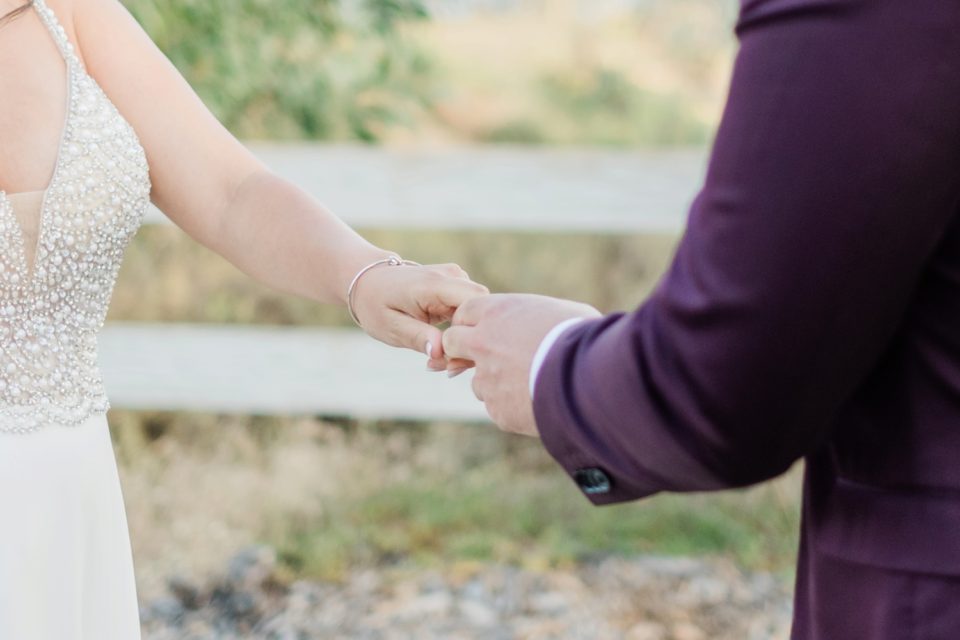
{"type": "Point", "coordinates": [6, 206]}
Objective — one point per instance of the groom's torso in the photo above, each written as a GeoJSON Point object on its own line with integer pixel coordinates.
{"type": "Point", "coordinates": [880, 545]}
{"type": "Point", "coordinates": [886, 488]}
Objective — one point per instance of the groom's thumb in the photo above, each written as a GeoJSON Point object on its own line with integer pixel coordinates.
{"type": "Point", "coordinates": [458, 342]}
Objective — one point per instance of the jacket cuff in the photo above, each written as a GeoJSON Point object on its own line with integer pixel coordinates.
{"type": "Point", "coordinates": [562, 431]}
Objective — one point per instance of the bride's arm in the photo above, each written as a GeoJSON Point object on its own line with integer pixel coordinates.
{"type": "Point", "coordinates": [212, 187]}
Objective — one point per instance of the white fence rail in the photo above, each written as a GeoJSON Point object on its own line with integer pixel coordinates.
{"type": "Point", "coordinates": [522, 189]}
{"type": "Point", "coordinates": [282, 370]}
{"type": "Point", "coordinates": [275, 370]}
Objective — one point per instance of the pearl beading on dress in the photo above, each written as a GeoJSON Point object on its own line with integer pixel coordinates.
{"type": "Point", "coordinates": [50, 315]}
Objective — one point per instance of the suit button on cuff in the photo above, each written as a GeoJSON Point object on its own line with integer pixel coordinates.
{"type": "Point", "coordinates": [592, 480]}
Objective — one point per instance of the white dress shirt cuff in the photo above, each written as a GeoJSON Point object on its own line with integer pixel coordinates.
{"type": "Point", "coordinates": [544, 349]}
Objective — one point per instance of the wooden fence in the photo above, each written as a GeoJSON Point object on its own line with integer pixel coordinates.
{"type": "Point", "coordinates": [326, 371]}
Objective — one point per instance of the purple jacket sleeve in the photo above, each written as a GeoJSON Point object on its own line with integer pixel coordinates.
{"type": "Point", "coordinates": [833, 175]}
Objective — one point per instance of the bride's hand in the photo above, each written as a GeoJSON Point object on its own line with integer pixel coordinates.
{"type": "Point", "coordinates": [401, 305]}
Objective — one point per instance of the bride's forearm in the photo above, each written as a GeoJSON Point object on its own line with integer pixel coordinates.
{"type": "Point", "coordinates": [281, 236]}
{"type": "Point", "coordinates": [223, 197]}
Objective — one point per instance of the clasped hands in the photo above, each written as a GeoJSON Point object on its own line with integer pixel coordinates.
{"type": "Point", "coordinates": [497, 334]}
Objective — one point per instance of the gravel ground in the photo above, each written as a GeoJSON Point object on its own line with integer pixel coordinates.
{"type": "Point", "coordinates": [644, 598]}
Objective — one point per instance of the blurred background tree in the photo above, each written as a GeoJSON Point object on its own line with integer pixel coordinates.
{"type": "Point", "coordinates": [301, 69]}
{"type": "Point", "coordinates": [547, 72]}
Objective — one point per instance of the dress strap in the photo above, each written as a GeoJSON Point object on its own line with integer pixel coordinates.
{"type": "Point", "coordinates": [49, 18]}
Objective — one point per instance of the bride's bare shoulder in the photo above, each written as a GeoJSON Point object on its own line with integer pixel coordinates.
{"type": "Point", "coordinates": [76, 16]}
{"type": "Point", "coordinates": [64, 10]}
{"type": "Point", "coordinates": [90, 18]}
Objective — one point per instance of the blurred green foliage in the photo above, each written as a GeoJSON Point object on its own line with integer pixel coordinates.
{"type": "Point", "coordinates": [287, 69]}
{"type": "Point", "coordinates": [350, 70]}
{"type": "Point", "coordinates": [602, 107]}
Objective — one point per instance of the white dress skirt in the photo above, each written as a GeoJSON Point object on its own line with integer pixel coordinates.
{"type": "Point", "coordinates": [66, 569]}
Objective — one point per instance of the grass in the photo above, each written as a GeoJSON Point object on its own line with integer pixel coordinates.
{"type": "Point", "coordinates": [536, 523]}
{"type": "Point", "coordinates": [334, 497]}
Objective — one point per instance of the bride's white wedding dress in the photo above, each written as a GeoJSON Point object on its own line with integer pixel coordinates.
{"type": "Point", "coordinates": [66, 571]}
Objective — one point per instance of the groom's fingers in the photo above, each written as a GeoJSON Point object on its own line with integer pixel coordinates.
{"type": "Point", "coordinates": [469, 312]}
{"type": "Point", "coordinates": [457, 342]}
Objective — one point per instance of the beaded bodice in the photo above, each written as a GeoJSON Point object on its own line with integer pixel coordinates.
{"type": "Point", "coordinates": [52, 310]}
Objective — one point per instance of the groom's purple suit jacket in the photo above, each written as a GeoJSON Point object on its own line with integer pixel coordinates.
{"type": "Point", "coordinates": [812, 310]}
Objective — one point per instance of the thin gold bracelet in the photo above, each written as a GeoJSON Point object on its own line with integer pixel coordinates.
{"type": "Point", "coordinates": [389, 261]}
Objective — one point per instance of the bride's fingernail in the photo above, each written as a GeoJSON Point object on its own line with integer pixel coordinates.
{"type": "Point", "coordinates": [453, 373]}
{"type": "Point", "coordinates": [429, 349]}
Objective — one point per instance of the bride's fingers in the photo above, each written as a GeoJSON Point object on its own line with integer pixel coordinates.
{"type": "Point", "coordinates": [450, 269]}
{"type": "Point", "coordinates": [447, 293]}
{"type": "Point", "coordinates": [439, 315]}
{"type": "Point", "coordinates": [402, 330]}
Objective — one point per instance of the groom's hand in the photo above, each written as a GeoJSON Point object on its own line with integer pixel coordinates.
{"type": "Point", "coordinates": [499, 334]}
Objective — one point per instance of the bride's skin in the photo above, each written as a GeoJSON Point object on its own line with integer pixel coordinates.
{"type": "Point", "coordinates": [208, 183]}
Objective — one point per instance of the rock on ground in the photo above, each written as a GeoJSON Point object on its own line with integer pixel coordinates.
{"type": "Point", "coordinates": [644, 598]}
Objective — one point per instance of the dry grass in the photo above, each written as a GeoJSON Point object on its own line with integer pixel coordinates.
{"type": "Point", "coordinates": [670, 60]}
{"type": "Point", "coordinates": [336, 497]}
{"type": "Point", "coordinates": [198, 487]}
{"type": "Point", "coordinates": [166, 276]}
